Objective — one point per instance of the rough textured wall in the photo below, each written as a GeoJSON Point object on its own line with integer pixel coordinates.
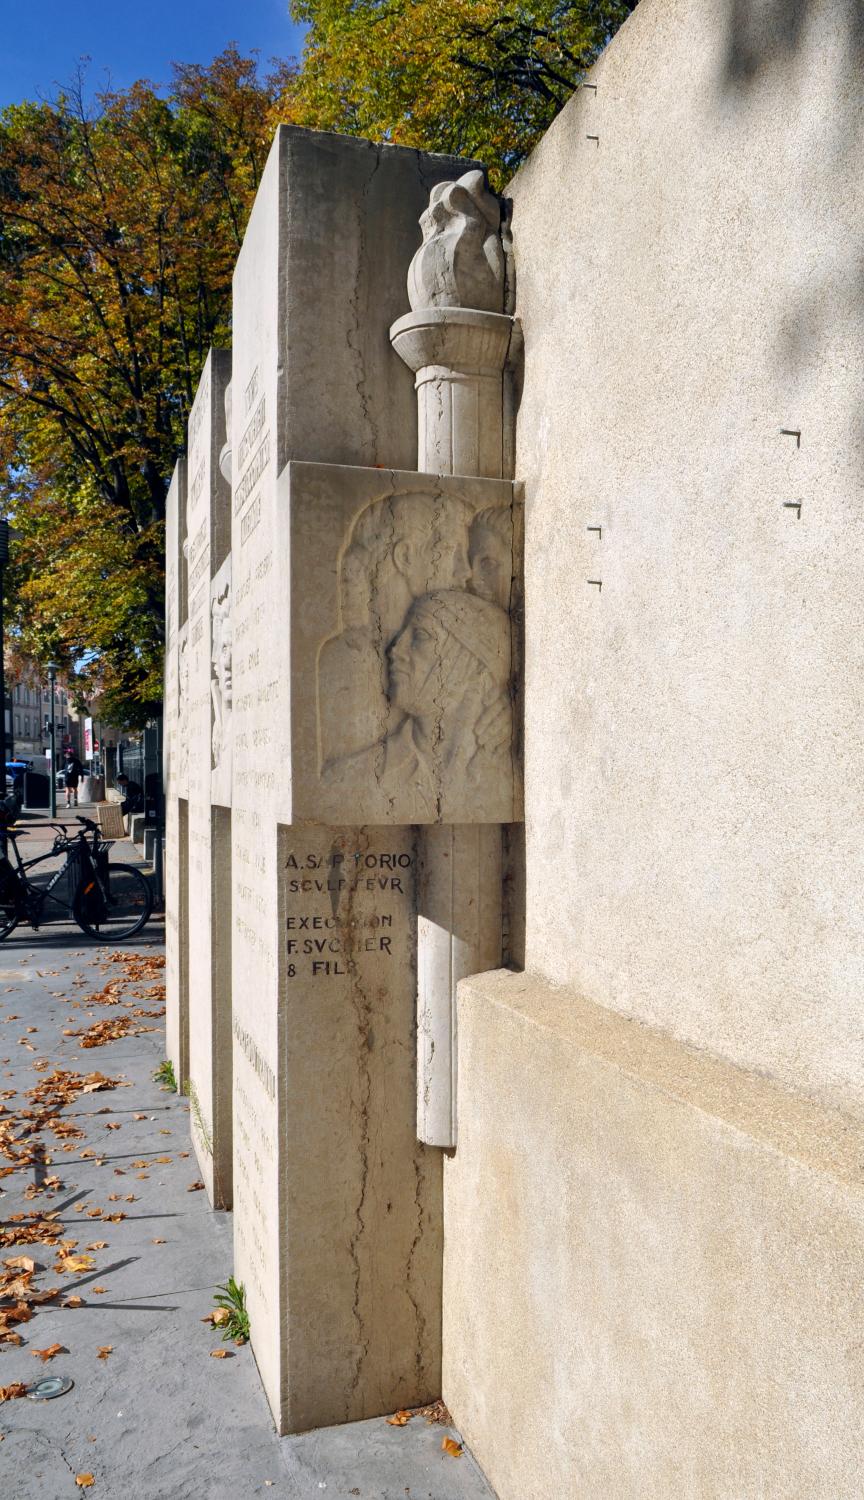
{"type": "Point", "coordinates": [690, 283]}
{"type": "Point", "coordinates": [653, 1290]}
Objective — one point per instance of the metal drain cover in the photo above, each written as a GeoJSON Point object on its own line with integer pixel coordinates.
{"type": "Point", "coordinates": [49, 1387]}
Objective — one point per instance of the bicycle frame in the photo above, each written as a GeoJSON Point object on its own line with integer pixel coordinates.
{"type": "Point", "coordinates": [37, 896]}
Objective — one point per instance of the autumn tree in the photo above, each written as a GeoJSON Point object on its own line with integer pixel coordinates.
{"type": "Point", "coordinates": [119, 228]}
{"type": "Point", "coordinates": [479, 78]}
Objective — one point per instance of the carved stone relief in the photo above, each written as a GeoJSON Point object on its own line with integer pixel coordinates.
{"type": "Point", "coordinates": [183, 711]}
{"type": "Point", "coordinates": [221, 685]}
{"type": "Point", "coordinates": [414, 693]}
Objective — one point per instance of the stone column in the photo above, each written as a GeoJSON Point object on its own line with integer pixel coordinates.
{"type": "Point", "coordinates": [459, 340]}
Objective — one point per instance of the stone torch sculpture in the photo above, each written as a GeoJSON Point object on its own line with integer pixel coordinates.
{"type": "Point", "coordinates": [460, 340]}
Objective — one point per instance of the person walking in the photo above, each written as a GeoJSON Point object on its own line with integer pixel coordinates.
{"type": "Point", "coordinates": [74, 771]}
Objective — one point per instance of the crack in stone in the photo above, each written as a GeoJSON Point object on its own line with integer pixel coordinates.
{"type": "Point", "coordinates": [419, 1316]}
{"type": "Point", "coordinates": [352, 333]}
{"type": "Point", "coordinates": [362, 1009]}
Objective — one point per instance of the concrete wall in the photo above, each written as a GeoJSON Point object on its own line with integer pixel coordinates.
{"type": "Point", "coordinates": [688, 286]}
{"type": "Point", "coordinates": [653, 1265]}
{"type": "Point", "coordinates": [652, 1255]}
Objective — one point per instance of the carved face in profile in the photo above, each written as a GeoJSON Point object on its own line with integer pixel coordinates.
{"type": "Point", "coordinates": [221, 649]}
{"type": "Point", "coordinates": [182, 675]}
{"type": "Point", "coordinates": [401, 547]}
{"type": "Point", "coordinates": [451, 641]}
{"type": "Point", "coordinates": [490, 555]}
{"type": "Point", "coordinates": [414, 656]}
{"type": "Point", "coordinates": [429, 560]}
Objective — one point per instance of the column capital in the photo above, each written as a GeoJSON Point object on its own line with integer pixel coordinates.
{"type": "Point", "coordinates": [458, 339]}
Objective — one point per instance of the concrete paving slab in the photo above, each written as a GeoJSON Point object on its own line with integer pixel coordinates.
{"type": "Point", "coordinates": [158, 1418]}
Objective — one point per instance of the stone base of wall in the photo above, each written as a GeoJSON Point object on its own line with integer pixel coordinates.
{"type": "Point", "coordinates": [654, 1264]}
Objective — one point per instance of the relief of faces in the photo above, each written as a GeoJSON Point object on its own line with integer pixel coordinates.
{"type": "Point", "coordinates": [401, 547]}
{"type": "Point", "coordinates": [453, 648]}
{"type": "Point", "coordinates": [221, 649]}
{"type": "Point", "coordinates": [221, 679]}
{"type": "Point", "coordinates": [490, 553]}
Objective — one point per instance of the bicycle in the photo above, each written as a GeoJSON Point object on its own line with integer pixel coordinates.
{"type": "Point", "coordinates": [108, 902]}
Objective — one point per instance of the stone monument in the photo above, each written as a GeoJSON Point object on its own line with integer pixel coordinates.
{"type": "Point", "coordinates": [208, 527]}
{"type": "Point", "coordinates": [176, 779]}
{"type": "Point", "coordinates": [349, 574]}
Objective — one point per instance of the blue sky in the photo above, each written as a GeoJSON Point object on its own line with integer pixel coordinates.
{"type": "Point", "coordinates": [42, 40]}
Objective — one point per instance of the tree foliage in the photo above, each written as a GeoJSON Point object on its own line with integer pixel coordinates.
{"type": "Point", "coordinates": [478, 78]}
{"type": "Point", "coordinates": [119, 228]}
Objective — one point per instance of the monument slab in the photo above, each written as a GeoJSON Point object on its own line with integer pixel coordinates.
{"type": "Point", "coordinates": [209, 782]}
{"type": "Point", "coordinates": [337, 1207]}
{"type": "Point", "coordinates": [176, 779]}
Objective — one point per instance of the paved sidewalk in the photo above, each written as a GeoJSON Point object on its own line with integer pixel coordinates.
{"type": "Point", "coordinates": [157, 1418]}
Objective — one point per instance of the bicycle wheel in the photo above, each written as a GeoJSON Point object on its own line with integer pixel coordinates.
{"type": "Point", "coordinates": [114, 905]}
{"type": "Point", "coordinates": [11, 912]}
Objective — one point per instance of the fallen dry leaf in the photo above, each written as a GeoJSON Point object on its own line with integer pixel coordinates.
{"type": "Point", "coordinates": [104, 1351]}
{"type": "Point", "coordinates": [84, 1481]}
{"type": "Point", "coordinates": [194, 1187]}
{"type": "Point", "coordinates": [72, 1265]}
{"type": "Point", "coordinates": [454, 1449]}
{"type": "Point", "coordinates": [218, 1353]}
{"type": "Point", "coordinates": [74, 1302]}
{"type": "Point", "coordinates": [100, 1290]}
{"type": "Point", "coordinates": [157, 1242]}
{"type": "Point", "coordinates": [13, 1392]}
{"type": "Point", "coordinates": [49, 1353]}
{"type": "Point", "coordinates": [98, 1245]}
{"type": "Point", "coordinates": [139, 1117]}
{"type": "Point", "coordinates": [399, 1419]}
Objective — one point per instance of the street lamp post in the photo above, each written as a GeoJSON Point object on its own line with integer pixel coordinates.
{"type": "Point", "coordinates": [52, 774]}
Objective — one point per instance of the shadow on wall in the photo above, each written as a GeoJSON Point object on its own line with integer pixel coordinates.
{"type": "Point", "coordinates": [819, 46]}
{"type": "Point", "coordinates": [763, 33]}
